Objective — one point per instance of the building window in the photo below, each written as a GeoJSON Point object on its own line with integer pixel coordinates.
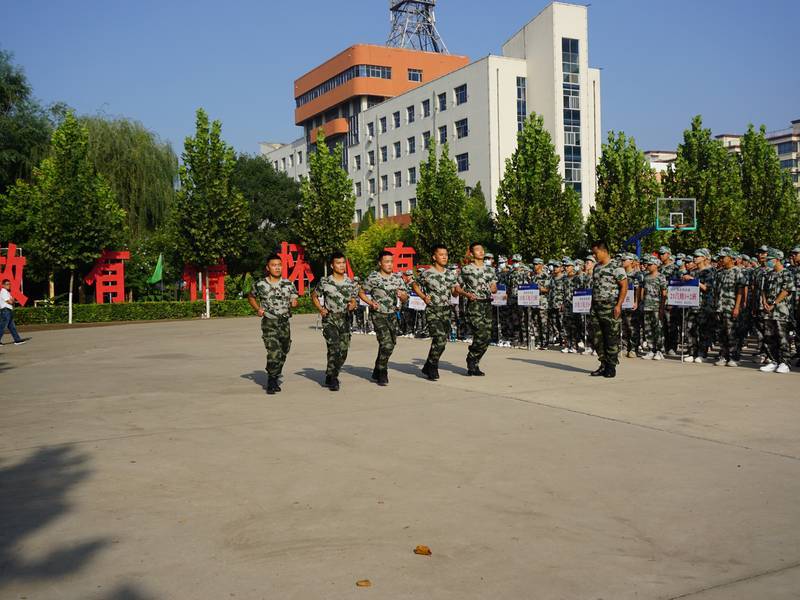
{"type": "Point", "coordinates": [374, 71]}
{"type": "Point", "coordinates": [283, 164]}
{"type": "Point", "coordinates": [396, 119]}
{"type": "Point", "coordinates": [383, 127]}
{"type": "Point", "coordinates": [522, 102]}
{"type": "Point", "coordinates": [371, 158]}
{"type": "Point", "coordinates": [384, 211]}
{"type": "Point", "coordinates": [357, 161]}
{"type": "Point", "coordinates": [412, 145]}
{"type": "Point", "coordinates": [442, 102]}
{"type": "Point", "coordinates": [275, 164]}
{"type": "Point", "coordinates": [358, 215]}
{"type": "Point", "coordinates": [384, 153]}
{"type": "Point", "coordinates": [372, 186]}
{"type": "Point", "coordinates": [462, 161]}
{"type": "Point", "coordinates": [299, 157]}
{"type": "Point", "coordinates": [412, 203]}
{"type": "Point", "coordinates": [789, 163]}
{"type": "Point", "coordinates": [412, 175]}
{"type": "Point", "coordinates": [426, 108]}
{"type": "Point", "coordinates": [398, 179]}
{"type": "Point", "coordinates": [398, 207]}
{"type": "Point", "coordinates": [571, 88]}
{"type": "Point", "coordinates": [371, 129]}
{"type": "Point", "coordinates": [462, 128]}
{"type": "Point", "coordinates": [410, 115]}
{"type": "Point", "coordinates": [788, 147]}
{"type": "Point", "coordinates": [397, 149]}
{"type": "Point", "coordinates": [461, 94]}
{"type": "Point", "coordinates": [384, 183]}
{"type": "Point", "coordinates": [358, 188]}
{"type": "Point", "coordinates": [415, 75]}
{"type": "Point", "coordinates": [443, 134]}
{"type": "Point", "coordinates": [426, 139]}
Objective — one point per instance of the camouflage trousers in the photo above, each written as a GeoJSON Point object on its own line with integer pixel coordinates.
{"type": "Point", "coordinates": [438, 318]}
{"type": "Point", "coordinates": [631, 337]}
{"type": "Point", "coordinates": [479, 317]}
{"type": "Point", "coordinates": [699, 332]}
{"type": "Point", "coordinates": [386, 331]}
{"type": "Point", "coordinates": [652, 330]}
{"type": "Point", "coordinates": [776, 338]}
{"type": "Point", "coordinates": [541, 326]}
{"type": "Point", "coordinates": [573, 328]}
{"type": "Point", "coordinates": [336, 331]}
{"type": "Point", "coordinates": [727, 336]}
{"type": "Point", "coordinates": [606, 333]}
{"type": "Point", "coordinates": [671, 328]}
{"type": "Point", "coordinates": [277, 337]}
{"type": "Point", "coordinates": [557, 325]}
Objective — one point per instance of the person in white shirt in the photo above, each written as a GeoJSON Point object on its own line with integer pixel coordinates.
{"type": "Point", "coordinates": [7, 314]}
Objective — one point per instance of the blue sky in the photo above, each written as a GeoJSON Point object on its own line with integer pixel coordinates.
{"type": "Point", "coordinates": [156, 61]}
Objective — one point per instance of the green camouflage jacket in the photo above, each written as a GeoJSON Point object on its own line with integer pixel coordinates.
{"type": "Point", "coordinates": [275, 299]}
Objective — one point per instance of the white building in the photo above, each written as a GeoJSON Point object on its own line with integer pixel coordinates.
{"type": "Point", "coordinates": [477, 108]}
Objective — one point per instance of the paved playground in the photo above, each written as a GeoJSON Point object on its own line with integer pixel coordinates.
{"type": "Point", "coordinates": [145, 461]}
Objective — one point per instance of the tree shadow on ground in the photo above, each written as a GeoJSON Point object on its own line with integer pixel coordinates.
{"type": "Point", "coordinates": [257, 377]}
{"type": "Point", "coordinates": [551, 365]}
{"type": "Point", "coordinates": [33, 494]}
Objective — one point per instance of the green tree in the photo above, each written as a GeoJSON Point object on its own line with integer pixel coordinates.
{"type": "Point", "coordinates": [363, 250]}
{"type": "Point", "coordinates": [479, 219]}
{"type": "Point", "coordinates": [440, 215]}
{"type": "Point", "coordinates": [141, 169]}
{"type": "Point", "coordinates": [274, 201]}
{"type": "Point", "coordinates": [25, 127]}
{"type": "Point", "coordinates": [627, 189]}
{"type": "Point", "coordinates": [770, 199]}
{"type": "Point", "coordinates": [211, 215]}
{"type": "Point", "coordinates": [705, 170]}
{"type": "Point", "coordinates": [537, 215]}
{"type": "Point", "coordinates": [328, 203]}
{"type": "Point", "coordinates": [72, 214]}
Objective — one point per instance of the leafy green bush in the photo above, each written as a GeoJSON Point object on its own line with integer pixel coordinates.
{"type": "Point", "coordinates": [140, 311]}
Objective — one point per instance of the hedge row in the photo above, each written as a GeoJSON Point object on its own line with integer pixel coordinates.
{"type": "Point", "coordinates": [140, 311]}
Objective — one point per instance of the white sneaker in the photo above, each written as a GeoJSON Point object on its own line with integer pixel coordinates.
{"type": "Point", "coordinates": [688, 359]}
{"type": "Point", "coordinates": [658, 356]}
{"type": "Point", "coordinates": [721, 362]}
{"type": "Point", "coordinates": [782, 368]}
{"type": "Point", "coordinates": [581, 345]}
{"type": "Point", "coordinates": [699, 360]}
{"type": "Point", "coordinates": [648, 356]}
{"type": "Point", "coordinates": [565, 350]}
{"type": "Point", "coordinates": [573, 351]}
{"type": "Point", "coordinates": [732, 363]}
{"type": "Point", "coordinates": [672, 353]}
{"type": "Point", "coordinates": [769, 368]}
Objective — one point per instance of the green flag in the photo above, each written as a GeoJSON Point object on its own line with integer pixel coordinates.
{"type": "Point", "coordinates": [158, 272]}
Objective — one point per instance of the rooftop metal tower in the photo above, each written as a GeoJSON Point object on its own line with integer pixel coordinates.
{"type": "Point", "coordinates": [414, 26]}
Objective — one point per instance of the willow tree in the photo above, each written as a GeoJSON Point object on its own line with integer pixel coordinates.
{"type": "Point", "coordinates": [141, 169]}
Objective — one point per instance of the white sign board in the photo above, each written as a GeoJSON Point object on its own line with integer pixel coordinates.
{"type": "Point", "coordinates": [528, 295]}
{"type": "Point", "coordinates": [416, 303]}
{"type": "Point", "coordinates": [500, 297]}
{"type": "Point", "coordinates": [582, 302]}
{"type": "Point", "coordinates": [362, 303]}
{"type": "Point", "coordinates": [685, 294]}
{"type": "Point", "coordinates": [454, 300]}
{"type": "Point", "coordinates": [628, 302]}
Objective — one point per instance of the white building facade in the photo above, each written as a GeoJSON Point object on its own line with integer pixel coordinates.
{"type": "Point", "coordinates": [478, 110]}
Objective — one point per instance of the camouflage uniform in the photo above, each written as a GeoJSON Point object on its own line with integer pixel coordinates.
{"type": "Point", "coordinates": [672, 315]}
{"type": "Point", "coordinates": [757, 282]}
{"type": "Point", "coordinates": [478, 280]}
{"type": "Point", "coordinates": [336, 295]}
{"type": "Point", "coordinates": [384, 291]}
{"type": "Point", "coordinates": [700, 320]}
{"type": "Point", "coordinates": [572, 321]}
{"type": "Point", "coordinates": [653, 289]}
{"type": "Point", "coordinates": [727, 285]}
{"type": "Point", "coordinates": [438, 286]}
{"type": "Point", "coordinates": [557, 305]}
{"type": "Point", "coordinates": [630, 333]}
{"type": "Point", "coordinates": [519, 276]}
{"type": "Point", "coordinates": [605, 328]}
{"type": "Point", "coordinates": [275, 300]}
{"type": "Point", "coordinates": [541, 322]}
{"type": "Point", "coordinates": [776, 321]}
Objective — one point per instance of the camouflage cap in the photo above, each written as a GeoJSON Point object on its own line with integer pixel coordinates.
{"type": "Point", "coordinates": [725, 251]}
{"type": "Point", "coordinates": [775, 253]}
{"type": "Point", "coordinates": [567, 262]}
{"type": "Point", "coordinates": [763, 249]}
{"type": "Point", "coordinates": [652, 260]}
{"type": "Point", "coordinates": [502, 258]}
{"type": "Point", "coordinates": [795, 250]}
{"type": "Point", "coordinates": [664, 250]}
{"type": "Point", "coordinates": [701, 253]}
{"type": "Point", "coordinates": [488, 255]}
{"type": "Point", "coordinates": [591, 258]}
{"type": "Point", "coordinates": [409, 272]}
{"type": "Point", "coordinates": [578, 262]}
{"type": "Point", "coordinates": [517, 258]}
{"type": "Point", "coordinates": [681, 255]}
{"type": "Point", "coordinates": [746, 257]}
{"type": "Point", "coordinates": [538, 261]}
{"type": "Point", "coordinates": [552, 263]}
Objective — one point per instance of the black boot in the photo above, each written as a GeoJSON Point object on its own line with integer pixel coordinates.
{"type": "Point", "coordinates": [427, 369]}
{"type": "Point", "coordinates": [600, 371]}
{"type": "Point", "coordinates": [278, 383]}
{"type": "Point", "coordinates": [272, 385]}
{"type": "Point", "coordinates": [334, 386]}
{"type": "Point", "coordinates": [476, 372]}
{"type": "Point", "coordinates": [435, 369]}
{"type": "Point", "coordinates": [470, 368]}
{"type": "Point", "coordinates": [383, 377]}
{"type": "Point", "coordinates": [610, 372]}
{"type": "Point", "coordinates": [376, 372]}
{"type": "Point", "coordinates": [328, 379]}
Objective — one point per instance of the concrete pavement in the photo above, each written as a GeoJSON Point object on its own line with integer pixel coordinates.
{"type": "Point", "coordinates": [146, 461]}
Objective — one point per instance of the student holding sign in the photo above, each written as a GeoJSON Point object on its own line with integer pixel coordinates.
{"type": "Point", "coordinates": [609, 288]}
{"type": "Point", "coordinates": [436, 286]}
